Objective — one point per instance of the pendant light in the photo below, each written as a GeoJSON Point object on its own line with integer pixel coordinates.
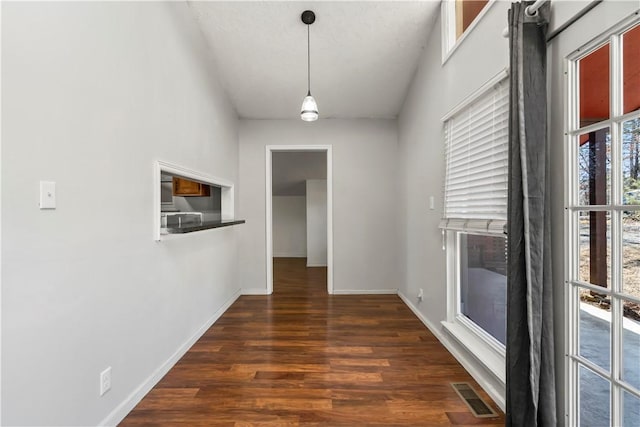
{"type": "Point", "coordinates": [309, 112]}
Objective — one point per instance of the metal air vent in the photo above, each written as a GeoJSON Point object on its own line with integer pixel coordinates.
{"type": "Point", "coordinates": [478, 407]}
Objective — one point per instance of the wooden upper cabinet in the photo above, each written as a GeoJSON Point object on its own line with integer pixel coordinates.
{"type": "Point", "coordinates": [185, 187]}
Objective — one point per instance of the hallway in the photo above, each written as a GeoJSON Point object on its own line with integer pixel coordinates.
{"type": "Point", "coordinates": [302, 357]}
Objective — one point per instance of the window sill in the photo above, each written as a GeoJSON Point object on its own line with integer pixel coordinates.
{"type": "Point", "coordinates": [207, 225]}
{"type": "Point", "coordinates": [489, 354]}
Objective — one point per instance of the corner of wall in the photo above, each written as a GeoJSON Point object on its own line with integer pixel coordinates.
{"type": "Point", "coordinates": [486, 379]}
{"type": "Point", "coordinates": [95, 288]}
{"type": "Point", "coordinates": [122, 410]}
{"type": "Point", "coordinates": [435, 89]}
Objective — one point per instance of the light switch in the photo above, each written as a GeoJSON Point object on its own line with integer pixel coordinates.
{"type": "Point", "coordinates": [432, 203]}
{"type": "Point", "coordinates": [47, 195]}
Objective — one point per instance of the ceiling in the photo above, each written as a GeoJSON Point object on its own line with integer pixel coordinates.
{"type": "Point", "coordinates": [363, 54]}
{"type": "Point", "coordinates": [292, 169]}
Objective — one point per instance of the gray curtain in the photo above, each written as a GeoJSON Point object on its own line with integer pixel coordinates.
{"type": "Point", "coordinates": [530, 365]}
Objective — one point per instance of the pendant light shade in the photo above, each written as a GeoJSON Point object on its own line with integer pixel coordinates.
{"type": "Point", "coordinates": [309, 111]}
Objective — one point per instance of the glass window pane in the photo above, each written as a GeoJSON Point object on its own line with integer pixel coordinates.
{"type": "Point", "coordinates": [631, 253]}
{"type": "Point", "coordinates": [595, 399]}
{"type": "Point", "coordinates": [595, 248]}
{"type": "Point", "coordinates": [594, 86]}
{"type": "Point", "coordinates": [631, 70]}
{"type": "Point", "coordinates": [631, 343]}
{"type": "Point", "coordinates": [466, 12]}
{"type": "Point", "coordinates": [595, 330]}
{"type": "Point", "coordinates": [630, 409]}
{"type": "Point", "coordinates": [483, 282]}
{"type": "Point", "coordinates": [594, 168]}
{"type": "Point", "coordinates": [631, 160]}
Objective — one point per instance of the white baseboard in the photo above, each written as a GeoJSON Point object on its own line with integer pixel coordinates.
{"type": "Point", "coordinates": [365, 291]}
{"type": "Point", "coordinates": [317, 265]}
{"type": "Point", "coordinates": [122, 410]}
{"type": "Point", "coordinates": [254, 291]}
{"type": "Point", "coordinates": [467, 361]}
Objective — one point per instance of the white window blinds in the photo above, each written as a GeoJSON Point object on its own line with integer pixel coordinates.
{"type": "Point", "coordinates": [476, 137]}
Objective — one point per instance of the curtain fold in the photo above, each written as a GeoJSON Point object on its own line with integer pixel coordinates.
{"type": "Point", "coordinates": [530, 389]}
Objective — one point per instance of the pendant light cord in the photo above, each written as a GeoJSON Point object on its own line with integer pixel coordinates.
{"type": "Point", "coordinates": [308, 63]}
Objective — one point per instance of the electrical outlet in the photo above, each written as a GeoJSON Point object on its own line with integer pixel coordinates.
{"type": "Point", "coordinates": [105, 381]}
{"type": "Point", "coordinates": [420, 294]}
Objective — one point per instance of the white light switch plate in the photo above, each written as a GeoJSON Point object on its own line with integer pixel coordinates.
{"type": "Point", "coordinates": [47, 195]}
{"type": "Point", "coordinates": [432, 203]}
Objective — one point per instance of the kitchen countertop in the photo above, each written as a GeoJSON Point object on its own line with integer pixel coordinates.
{"type": "Point", "coordinates": [199, 226]}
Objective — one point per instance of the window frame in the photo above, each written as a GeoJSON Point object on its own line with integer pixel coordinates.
{"type": "Point", "coordinates": [448, 27]}
{"type": "Point", "coordinates": [488, 350]}
{"type": "Point", "coordinates": [160, 167]}
{"type": "Point", "coordinates": [484, 347]}
{"type": "Point", "coordinates": [573, 284]}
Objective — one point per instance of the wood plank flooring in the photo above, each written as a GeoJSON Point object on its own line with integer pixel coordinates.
{"type": "Point", "coordinates": [301, 357]}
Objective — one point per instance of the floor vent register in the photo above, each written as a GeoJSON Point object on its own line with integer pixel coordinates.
{"type": "Point", "coordinates": [478, 407]}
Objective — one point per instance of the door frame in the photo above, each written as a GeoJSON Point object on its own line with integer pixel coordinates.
{"type": "Point", "coordinates": [574, 360]}
{"type": "Point", "coordinates": [269, 149]}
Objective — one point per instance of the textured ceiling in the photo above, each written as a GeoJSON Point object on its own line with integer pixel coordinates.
{"type": "Point", "coordinates": [291, 169]}
{"type": "Point", "coordinates": [363, 54]}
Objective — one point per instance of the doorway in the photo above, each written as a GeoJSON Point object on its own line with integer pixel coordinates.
{"type": "Point", "coordinates": [602, 241]}
{"type": "Point", "coordinates": [319, 237]}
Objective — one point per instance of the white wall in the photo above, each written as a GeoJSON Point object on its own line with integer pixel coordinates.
{"type": "Point", "coordinates": [93, 94]}
{"type": "Point", "coordinates": [435, 90]}
{"type": "Point", "coordinates": [289, 226]}
{"type": "Point", "coordinates": [212, 203]}
{"type": "Point", "coordinates": [316, 222]}
{"type": "Point", "coordinates": [364, 190]}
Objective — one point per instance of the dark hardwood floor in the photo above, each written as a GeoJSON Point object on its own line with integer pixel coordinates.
{"type": "Point", "coordinates": [303, 358]}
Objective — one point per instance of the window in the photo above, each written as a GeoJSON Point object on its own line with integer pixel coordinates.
{"type": "Point", "coordinates": [474, 220]}
{"type": "Point", "coordinates": [483, 282]}
{"type": "Point", "coordinates": [466, 13]}
{"type": "Point", "coordinates": [458, 18]}
{"type": "Point", "coordinates": [603, 239]}
{"type": "Point", "coordinates": [187, 201]}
